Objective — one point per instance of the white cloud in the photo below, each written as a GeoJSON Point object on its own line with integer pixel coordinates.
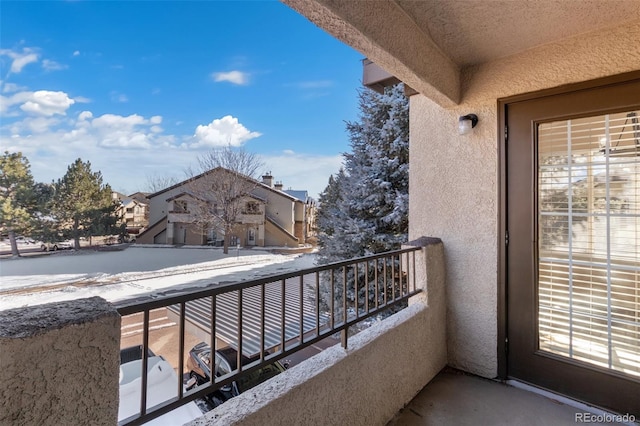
{"type": "Point", "coordinates": [47, 103]}
{"type": "Point", "coordinates": [12, 87]}
{"type": "Point", "coordinates": [76, 53]}
{"type": "Point", "coordinates": [3, 106]}
{"type": "Point", "coordinates": [41, 102]}
{"type": "Point", "coordinates": [133, 131]}
{"type": "Point", "coordinates": [235, 77]}
{"type": "Point", "coordinates": [20, 59]}
{"type": "Point", "coordinates": [6, 102]}
{"type": "Point", "coordinates": [113, 120]}
{"type": "Point", "coordinates": [128, 148]}
{"type": "Point", "coordinates": [50, 65]}
{"type": "Point", "coordinates": [124, 160]}
{"type": "Point", "coordinates": [221, 132]}
{"type": "Point", "coordinates": [85, 115]}
{"type": "Point", "coordinates": [119, 97]}
{"type": "Point", "coordinates": [34, 125]}
{"type": "Point", "coordinates": [82, 100]}
{"type": "Point", "coordinates": [107, 130]}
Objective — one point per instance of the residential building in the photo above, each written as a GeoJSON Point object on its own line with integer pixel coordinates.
{"type": "Point", "coordinates": [305, 214]}
{"type": "Point", "coordinates": [133, 211]}
{"type": "Point", "coordinates": [269, 217]}
{"type": "Point", "coordinates": [549, 81]}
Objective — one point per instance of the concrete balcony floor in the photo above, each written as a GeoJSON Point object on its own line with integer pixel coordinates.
{"type": "Point", "coordinates": [456, 398]}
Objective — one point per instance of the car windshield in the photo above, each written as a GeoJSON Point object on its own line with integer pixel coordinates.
{"type": "Point", "coordinates": [205, 359]}
{"type": "Point", "coordinates": [222, 367]}
{"type": "Point", "coordinates": [247, 381]}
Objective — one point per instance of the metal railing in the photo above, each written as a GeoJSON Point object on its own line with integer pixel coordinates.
{"type": "Point", "coordinates": [273, 317]}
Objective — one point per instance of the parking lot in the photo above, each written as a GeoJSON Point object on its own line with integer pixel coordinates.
{"type": "Point", "coordinates": [164, 339]}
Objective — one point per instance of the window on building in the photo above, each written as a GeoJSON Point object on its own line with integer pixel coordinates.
{"type": "Point", "coordinates": [252, 208]}
{"type": "Point", "coordinates": [180, 206]}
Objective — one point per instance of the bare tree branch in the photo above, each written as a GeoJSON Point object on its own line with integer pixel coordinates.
{"type": "Point", "coordinates": [219, 188]}
{"type": "Point", "coordinates": [157, 182]}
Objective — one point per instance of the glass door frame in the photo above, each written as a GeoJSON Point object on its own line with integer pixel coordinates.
{"type": "Point", "coordinates": [504, 369]}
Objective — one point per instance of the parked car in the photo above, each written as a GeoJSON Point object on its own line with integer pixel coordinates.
{"type": "Point", "coordinates": [24, 240]}
{"type": "Point", "coordinates": [199, 364]}
{"type": "Point", "coordinates": [133, 353]}
{"type": "Point", "coordinates": [162, 384]}
{"type": "Point", "coordinates": [60, 245]}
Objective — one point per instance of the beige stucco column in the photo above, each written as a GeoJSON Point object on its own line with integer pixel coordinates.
{"type": "Point", "coordinates": [59, 364]}
{"type": "Point", "coordinates": [170, 232]}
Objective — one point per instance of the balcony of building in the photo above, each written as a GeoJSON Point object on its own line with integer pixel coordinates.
{"type": "Point", "coordinates": [394, 372]}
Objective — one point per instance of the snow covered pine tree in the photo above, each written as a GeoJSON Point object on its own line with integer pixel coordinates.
{"type": "Point", "coordinates": [364, 209]}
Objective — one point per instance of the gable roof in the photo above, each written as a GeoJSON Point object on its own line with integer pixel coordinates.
{"type": "Point", "coordinates": [222, 169]}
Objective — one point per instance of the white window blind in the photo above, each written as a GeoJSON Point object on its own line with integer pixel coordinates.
{"type": "Point", "coordinates": [588, 238]}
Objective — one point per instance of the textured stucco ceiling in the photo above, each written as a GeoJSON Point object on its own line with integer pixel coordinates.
{"type": "Point", "coordinates": [477, 31]}
{"type": "Point", "coordinates": [430, 44]}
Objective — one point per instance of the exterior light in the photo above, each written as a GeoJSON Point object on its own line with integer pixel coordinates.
{"type": "Point", "coordinates": [466, 123]}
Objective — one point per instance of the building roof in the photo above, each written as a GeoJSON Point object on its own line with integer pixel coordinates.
{"type": "Point", "coordinates": [140, 196]}
{"type": "Point", "coordinates": [217, 169]}
{"type": "Point", "coordinates": [301, 195]}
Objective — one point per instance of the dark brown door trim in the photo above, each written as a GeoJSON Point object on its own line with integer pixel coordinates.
{"type": "Point", "coordinates": [503, 308]}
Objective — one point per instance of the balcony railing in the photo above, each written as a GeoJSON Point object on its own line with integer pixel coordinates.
{"type": "Point", "coordinates": [273, 317]}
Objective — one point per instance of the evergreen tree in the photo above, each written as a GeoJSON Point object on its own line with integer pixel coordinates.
{"type": "Point", "coordinates": [45, 228]}
{"type": "Point", "coordinates": [364, 209]}
{"type": "Point", "coordinates": [17, 202]}
{"type": "Point", "coordinates": [82, 204]}
{"type": "Point", "coordinates": [329, 220]}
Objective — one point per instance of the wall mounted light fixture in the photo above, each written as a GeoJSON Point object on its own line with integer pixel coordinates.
{"type": "Point", "coordinates": [466, 123]}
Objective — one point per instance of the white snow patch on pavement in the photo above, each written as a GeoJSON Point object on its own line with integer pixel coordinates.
{"type": "Point", "coordinates": [133, 272]}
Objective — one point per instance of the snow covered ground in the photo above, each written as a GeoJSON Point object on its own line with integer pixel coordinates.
{"type": "Point", "coordinates": [135, 271]}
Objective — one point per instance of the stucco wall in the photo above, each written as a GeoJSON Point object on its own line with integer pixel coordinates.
{"type": "Point", "coordinates": [158, 205]}
{"type": "Point", "coordinates": [383, 368]}
{"type": "Point", "coordinates": [276, 237]}
{"type": "Point", "coordinates": [454, 179]}
{"type": "Point", "coordinates": [280, 209]}
{"type": "Point", "coordinates": [453, 195]}
{"type": "Point", "coordinates": [59, 364]}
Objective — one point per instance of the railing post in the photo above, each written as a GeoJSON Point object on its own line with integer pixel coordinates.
{"type": "Point", "coordinates": [428, 269]}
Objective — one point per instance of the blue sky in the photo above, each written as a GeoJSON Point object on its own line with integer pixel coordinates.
{"type": "Point", "coordinates": [140, 89]}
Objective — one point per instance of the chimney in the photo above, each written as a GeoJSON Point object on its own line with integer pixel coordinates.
{"type": "Point", "coordinates": [267, 179]}
{"type": "Point", "coordinates": [278, 186]}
